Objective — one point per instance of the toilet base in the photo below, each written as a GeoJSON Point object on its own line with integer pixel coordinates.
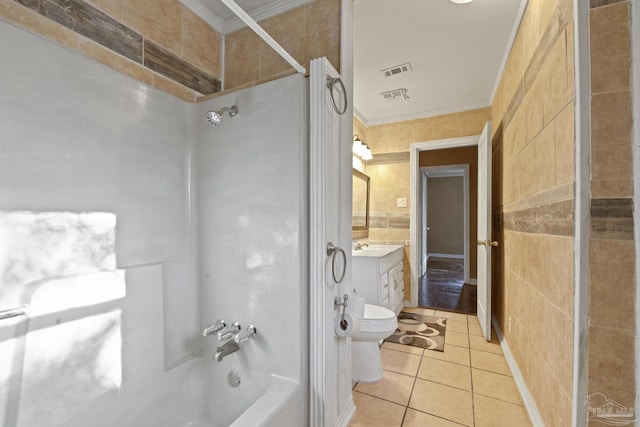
{"type": "Point", "coordinates": [366, 364]}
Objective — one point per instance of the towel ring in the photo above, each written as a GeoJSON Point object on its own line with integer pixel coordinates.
{"type": "Point", "coordinates": [331, 82]}
{"type": "Point", "coordinates": [332, 251]}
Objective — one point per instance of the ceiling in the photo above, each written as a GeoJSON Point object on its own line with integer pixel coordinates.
{"type": "Point", "coordinates": [456, 51]}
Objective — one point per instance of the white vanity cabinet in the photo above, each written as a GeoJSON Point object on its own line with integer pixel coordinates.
{"type": "Point", "coordinates": [378, 275]}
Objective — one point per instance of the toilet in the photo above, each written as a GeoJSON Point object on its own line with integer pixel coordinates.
{"type": "Point", "coordinates": [376, 323]}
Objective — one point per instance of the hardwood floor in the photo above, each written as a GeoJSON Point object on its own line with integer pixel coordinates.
{"type": "Point", "coordinates": [443, 287]}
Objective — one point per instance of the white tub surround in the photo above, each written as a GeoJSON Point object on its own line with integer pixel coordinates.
{"type": "Point", "coordinates": [77, 137]}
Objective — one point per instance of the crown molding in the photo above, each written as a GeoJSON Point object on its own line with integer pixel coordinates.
{"type": "Point", "coordinates": [272, 9]}
{"type": "Point", "coordinates": [425, 114]}
{"type": "Point", "coordinates": [358, 115]}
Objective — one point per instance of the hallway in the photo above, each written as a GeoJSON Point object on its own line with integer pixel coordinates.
{"type": "Point", "coordinates": [468, 384]}
{"type": "Point", "coordinates": [443, 287]}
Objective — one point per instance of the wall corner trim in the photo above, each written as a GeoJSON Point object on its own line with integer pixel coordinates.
{"type": "Point", "coordinates": [527, 398]}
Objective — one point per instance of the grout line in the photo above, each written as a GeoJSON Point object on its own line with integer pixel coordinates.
{"type": "Point", "coordinates": [473, 393]}
{"type": "Point", "coordinates": [437, 416]}
{"type": "Point", "coordinates": [380, 398]}
{"type": "Point", "coordinates": [521, 405]}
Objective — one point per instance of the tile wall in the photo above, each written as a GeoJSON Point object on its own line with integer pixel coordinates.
{"type": "Point", "coordinates": [389, 170]}
{"type": "Point", "coordinates": [307, 32]}
{"type": "Point", "coordinates": [165, 45]}
{"type": "Point", "coordinates": [160, 43]}
{"type": "Point", "coordinates": [533, 187]}
{"type": "Point", "coordinates": [611, 367]}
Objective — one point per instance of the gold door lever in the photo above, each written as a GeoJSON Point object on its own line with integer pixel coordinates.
{"type": "Point", "coordinates": [487, 243]}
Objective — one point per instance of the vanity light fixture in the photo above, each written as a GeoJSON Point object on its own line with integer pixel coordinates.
{"type": "Point", "coordinates": [461, 1]}
{"type": "Point", "coordinates": [361, 149]}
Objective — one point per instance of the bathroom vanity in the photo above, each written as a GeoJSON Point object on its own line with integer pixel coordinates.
{"type": "Point", "coordinates": [378, 275]}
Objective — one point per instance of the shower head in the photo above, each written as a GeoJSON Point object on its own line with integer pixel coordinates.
{"type": "Point", "coordinates": [215, 117]}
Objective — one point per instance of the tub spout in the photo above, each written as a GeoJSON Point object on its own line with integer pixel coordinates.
{"type": "Point", "coordinates": [226, 349]}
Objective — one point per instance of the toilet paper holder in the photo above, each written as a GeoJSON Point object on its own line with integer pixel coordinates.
{"type": "Point", "coordinates": [344, 302]}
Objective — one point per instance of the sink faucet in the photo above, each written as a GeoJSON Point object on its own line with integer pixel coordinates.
{"type": "Point", "coordinates": [359, 246]}
{"type": "Point", "coordinates": [226, 349]}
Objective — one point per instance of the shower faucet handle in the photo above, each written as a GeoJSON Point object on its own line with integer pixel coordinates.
{"type": "Point", "coordinates": [243, 336]}
{"type": "Point", "coordinates": [212, 329]}
{"type": "Point", "coordinates": [229, 331]}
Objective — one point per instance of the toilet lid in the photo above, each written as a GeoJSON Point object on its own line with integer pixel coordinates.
{"type": "Point", "coordinates": [373, 312]}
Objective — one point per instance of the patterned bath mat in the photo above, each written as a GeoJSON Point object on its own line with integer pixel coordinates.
{"type": "Point", "coordinates": [419, 330]}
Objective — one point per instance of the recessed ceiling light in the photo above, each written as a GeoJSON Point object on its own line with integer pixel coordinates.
{"type": "Point", "coordinates": [461, 1]}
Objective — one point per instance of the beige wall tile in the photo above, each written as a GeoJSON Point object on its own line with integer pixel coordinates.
{"type": "Point", "coordinates": [422, 131]}
{"type": "Point", "coordinates": [113, 8]}
{"type": "Point", "coordinates": [611, 364]}
{"type": "Point", "coordinates": [322, 15]}
{"type": "Point", "coordinates": [446, 126]}
{"type": "Point", "coordinates": [472, 122]}
{"type": "Point", "coordinates": [610, 40]}
{"type": "Point", "coordinates": [530, 30]}
{"type": "Point", "coordinates": [533, 111]}
{"type": "Point", "coordinates": [401, 137]}
{"type": "Point", "coordinates": [611, 121]}
{"type": "Point", "coordinates": [515, 135]}
{"type": "Point", "coordinates": [119, 63]}
{"type": "Point", "coordinates": [378, 139]}
{"type": "Point", "coordinates": [201, 44]}
{"type": "Point", "coordinates": [560, 260]}
{"type": "Point", "coordinates": [157, 20]}
{"type": "Point", "coordinates": [565, 146]}
{"type": "Point", "coordinates": [14, 12]}
{"type": "Point", "coordinates": [560, 349]}
{"type": "Point", "coordinates": [612, 274]}
{"type": "Point", "coordinates": [554, 77]}
{"type": "Point", "coordinates": [242, 58]}
{"type": "Point", "coordinates": [604, 188]}
{"type": "Point", "coordinates": [545, 162]}
{"type": "Point", "coordinates": [174, 88]}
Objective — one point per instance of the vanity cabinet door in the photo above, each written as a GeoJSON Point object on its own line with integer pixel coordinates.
{"type": "Point", "coordinates": [396, 287]}
{"type": "Point", "coordinates": [385, 291]}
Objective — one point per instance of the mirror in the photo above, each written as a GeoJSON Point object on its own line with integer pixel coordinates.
{"type": "Point", "coordinates": [360, 209]}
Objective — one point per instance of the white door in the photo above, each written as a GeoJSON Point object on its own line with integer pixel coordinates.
{"type": "Point", "coordinates": [425, 229]}
{"type": "Point", "coordinates": [484, 231]}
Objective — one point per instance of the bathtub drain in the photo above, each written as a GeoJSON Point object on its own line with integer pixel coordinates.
{"type": "Point", "coordinates": [233, 378]}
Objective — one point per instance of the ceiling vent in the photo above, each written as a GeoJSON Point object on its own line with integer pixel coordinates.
{"type": "Point", "coordinates": [395, 95]}
{"type": "Point", "coordinates": [398, 69]}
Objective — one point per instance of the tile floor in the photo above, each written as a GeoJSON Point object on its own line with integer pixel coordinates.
{"type": "Point", "coordinates": [468, 384]}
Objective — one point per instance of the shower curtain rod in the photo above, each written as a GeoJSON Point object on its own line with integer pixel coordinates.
{"type": "Point", "coordinates": [231, 4]}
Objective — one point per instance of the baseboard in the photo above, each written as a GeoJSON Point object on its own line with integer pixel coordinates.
{"type": "Point", "coordinates": [346, 415]}
{"type": "Point", "coordinates": [437, 255]}
{"type": "Point", "coordinates": [529, 403]}
{"type": "Point", "coordinates": [471, 282]}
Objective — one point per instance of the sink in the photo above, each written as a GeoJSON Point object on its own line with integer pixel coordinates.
{"type": "Point", "coordinates": [375, 250]}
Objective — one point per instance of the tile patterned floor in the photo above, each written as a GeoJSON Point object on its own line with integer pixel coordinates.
{"type": "Point", "coordinates": [469, 384]}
